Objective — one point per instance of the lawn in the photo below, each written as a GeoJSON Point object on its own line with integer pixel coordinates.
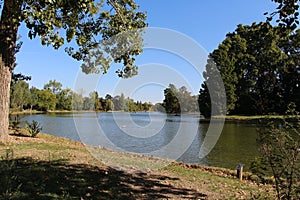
{"type": "Point", "coordinates": [48, 167]}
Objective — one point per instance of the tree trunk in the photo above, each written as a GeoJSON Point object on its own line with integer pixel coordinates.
{"type": "Point", "coordinates": [9, 24]}
{"type": "Point", "coordinates": [5, 78]}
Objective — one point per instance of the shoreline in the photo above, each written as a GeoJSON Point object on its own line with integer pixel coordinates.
{"type": "Point", "coordinates": [163, 162]}
{"type": "Point", "coordinates": [46, 137]}
{"type": "Point", "coordinates": [227, 117]}
{"type": "Point", "coordinates": [250, 119]}
{"type": "Point", "coordinates": [136, 176]}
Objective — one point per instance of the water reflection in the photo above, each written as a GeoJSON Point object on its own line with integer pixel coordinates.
{"type": "Point", "coordinates": [237, 144]}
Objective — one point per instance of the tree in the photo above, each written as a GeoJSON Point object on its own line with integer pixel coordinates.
{"type": "Point", "coordinates": [147, 106]}
{"type": "Point", "coordinates": [109, 105]}
{"type": "Point", "coordinates": [279, 138]}
{"type": "Point", "coordinates": [130, 105]}
{"type": "Point", "coordinates": [91, 102]}
{"type": "Point", "coordinates": [204, 101]}
{"type": "Point", "coordinates": [102, 104]}
{"type": "Point", "coordinates": [291, 77]}
{"type": "Point", "coordinates": [108, 97]}
{"type": "Point", "coordinates": [20, 95]}
{"type": "Point", "coordinates": [171, 102]}
{"type": "Point", "coordinates": [95, 99]}
{"type": "Point", "coordinates": [254, 63]}
{"type": "Point", "coordinates": [85, 23]}
{"type": "Point", "coordinates": [158, 107]}
{"type": "Point", "coordinates": [288, 15]}
{"type": "Point", "coordinates": [188, 102]}
{"type": "Point", "coordinates": [225, 58]}
{"type": "Point", "coordinates": [77, 101]}
{"type": "Point", "coordinates": [88, 104]}
{"type": "Point", "coordinates": [179, 100]}
{"type": "Point", "coordinates": [33, 102]}
{"type": "Point", "coordinates": [119, 102]}
{"type": "Point", "coordinates": [212, 95]}
{"type": "Point", "coordinates": [54, 86]}
{"type": "Point", "coordinates": [46, 100]}
{"type": "Point", "coordinates": [19, 77]}
{"type": "Point", "coordinates": [64, 99]}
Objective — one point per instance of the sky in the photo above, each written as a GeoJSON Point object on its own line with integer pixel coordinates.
{"type": "Point", "coordinates": [181, 34]}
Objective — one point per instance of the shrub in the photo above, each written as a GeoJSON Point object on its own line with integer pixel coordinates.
{"type": "Point", "coordinates": [15, 124]}
{"type": "Point", "coordinates": [280, 148]}
{"type": "Point", "coordinates": [33, 128]}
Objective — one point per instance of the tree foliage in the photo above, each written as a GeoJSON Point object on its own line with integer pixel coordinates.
{"type": "Point", "coordinates": [287, 12]}
{"type": "Point", "coordinates": [46, 100]}
{"type": "Point", "coordinates": [92, 32]}
{"type": "Point", "coordinates": [19, 76]}
{"type": "Point", "coordinates": [55, 97]}
{"type": "Point", "coordinates": [19, 95]}
{"type": "Point", "coordinates": [64, 99]}
{"type": "Point", "coordinates": [171, 102]}
{"type": "Point", "coordinates": [53, 86]}
{"type": "Point", "coordinates": [85, 22]}
{"type": "Point", "coordinates": [279, 139]}
{"type": "Point", "coordinates": [259, 66]}
{"type": "Point", "coordinates": [204, 101]}
{"type": "Point", "coordinates": [179, 100]}
{"type": "Point", "coordinates": [212, 95]}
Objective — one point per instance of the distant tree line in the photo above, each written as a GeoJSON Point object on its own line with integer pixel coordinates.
{"type": "Point", "coordinates": [54, 97]}
{"type": "Point", "coordinates": [260, 68]}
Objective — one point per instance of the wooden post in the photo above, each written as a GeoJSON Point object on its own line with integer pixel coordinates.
{"type": "Point", "coordinates": [239, 171]}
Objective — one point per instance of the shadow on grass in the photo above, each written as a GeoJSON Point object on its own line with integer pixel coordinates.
{"type": "Point", "coordinates": [30, 179]}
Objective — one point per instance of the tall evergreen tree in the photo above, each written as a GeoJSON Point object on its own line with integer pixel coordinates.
{"type": "Point", "coordinates": [212, 95]}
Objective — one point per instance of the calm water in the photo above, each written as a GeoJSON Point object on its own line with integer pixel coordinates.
{"type": "Point", "coordinates": [175, 137]}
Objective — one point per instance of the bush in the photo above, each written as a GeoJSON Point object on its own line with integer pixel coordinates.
{"type": "Point", "coordinates": [280, 148]}
{"type": "Point", "coordinates": [15, 124]}
{"type": "Point", "coordinates": [33, 128]}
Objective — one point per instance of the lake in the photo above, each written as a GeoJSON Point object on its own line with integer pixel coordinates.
{"type": "Point", "coordinates": [158, 134]}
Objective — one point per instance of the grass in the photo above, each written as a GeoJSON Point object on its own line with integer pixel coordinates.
{"type": "Point", "coordinates": [48, 167]}
{"type": "Point", "coordinates": [248, 119]}
{"type": "Point", "coordinates": [220, 183]}
{"type": "Point", "coordinates": [255, 117]}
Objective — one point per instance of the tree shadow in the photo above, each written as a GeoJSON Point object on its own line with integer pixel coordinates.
{"type": "Point", "coordinates": [27, 178]}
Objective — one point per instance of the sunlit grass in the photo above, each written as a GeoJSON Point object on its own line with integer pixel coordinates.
{"type": "Point", "coordinates": [50, 167]}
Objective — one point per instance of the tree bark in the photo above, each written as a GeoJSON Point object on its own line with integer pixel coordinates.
{"type": "Point", "coordinates": [9, 24]}
{"type": "Point", "coordinates": [5, 78]}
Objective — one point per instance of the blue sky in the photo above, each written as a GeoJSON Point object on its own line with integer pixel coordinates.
{"type": "Point", "coordinates": [203, 22]}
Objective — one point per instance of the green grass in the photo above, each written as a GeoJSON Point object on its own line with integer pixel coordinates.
{"type": "Point", "coordinates": [250, 118]}
{"type": "Point", "coordinates": [241, 117]}
{"type": "Point", "coordinates": [48, 167]}
{"type": "Point", "coordinates": [225, 186]}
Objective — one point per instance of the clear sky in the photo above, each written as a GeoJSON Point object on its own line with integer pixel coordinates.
{"type": "Point", "coordinates": [203, 22]}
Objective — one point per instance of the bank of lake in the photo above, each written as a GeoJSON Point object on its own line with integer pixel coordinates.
{"type": "Point", "coordinates": [51, 167]}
